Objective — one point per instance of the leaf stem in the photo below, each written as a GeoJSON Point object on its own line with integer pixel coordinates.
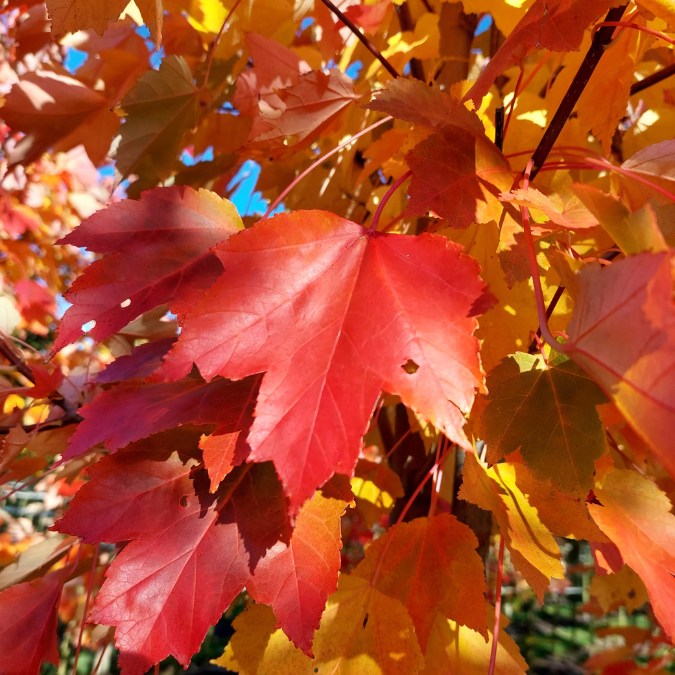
{"type": "Point", "coordinates": [534, 271]}
{"type": "Point", "coordinates": [498, 606]}
{"type": "Point", "coordinates": [387, 196]}
{"type": "Point", "coordinates": [214, 43]}
{"type": "Point", "coordinates": [320, 161]}
{"type": "Point", "coordinates": [90, 589]}
{"type": "Point", "coordinates": [362, 38]}
{"type": "Point", "coordinates": [600, 41]}
{"type": "Point", "coordinates": [635, 26]}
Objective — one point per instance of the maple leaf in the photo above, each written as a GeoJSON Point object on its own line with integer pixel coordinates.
{"type": "Point", "coordinates": [457, 172]}
{"type": "Point", "coordinates": [297, 114]}
{"type": "Point", "coordinates": [420, 563]}
{"type": "Point", "coordinates": [534, 551]}
{"type": "Point", "coordinates": [60, 112]}
{"type": "Point", "coordinates": [335, 314]}
{"type": "Point", "coordinates": [557, 25]}
{"type": "Point", "coordinates": [637, 517]}
{"type": "Point", "coordinates": [165, 405]}
{"type": "Point", "coordinates": [28, 618]}
{"type": "Point", "coordinates": [183, 540]}
{"type": "Point", "coordinates": [157, 252]}
{"type": "Point", "coordinates": [623, 334]}
{"type": "Point", "coordinates": [362, 631]}
{"type": "Point", "coordinates": [633, 232]}
{"type": "Point", "coordinates": [572, 214]}
{"type": "Point", "coordinates": [457, 649]}
{"type": "Point", "coordinates": [290, 104]}
{"type": "Point", "coordinates": [296, 579]}
{"type": "Point", "coordinates": [548, 413]}
{"type": "Point", "coordinates": [142, 361]}
{"type": "Point", "coordinates": [69, 16]}
{"type": "Point", "coordinates": [159, 110]}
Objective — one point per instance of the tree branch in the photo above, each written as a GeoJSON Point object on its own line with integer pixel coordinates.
{"type": "Point", "coordinates": [363, 39]}
{"type": "Point", "coordinates": [600, 41]}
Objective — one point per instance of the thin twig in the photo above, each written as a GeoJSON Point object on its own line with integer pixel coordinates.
{"type": "Point", "coordinates": [498, 606]}
{"type": "Point", "coordinates": [363, 39]}
{"type": "Point", "coordinates": [652, 79]}
{"type": "Point", "coordinates": [321, 160]}
{"type": "Point", "coordinates": [214, 44]}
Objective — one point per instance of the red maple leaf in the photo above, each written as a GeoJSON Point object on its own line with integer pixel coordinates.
{"type": "Point", "coordinates": [158, 252]}
{"type": "Point", "coordinates": [190, 553]}
{"type": "Point", "coordinates": [28, 620]}
{"type": "Point", "coordinates": [335, 314]}
{"type": "Point", "coordinates": [166, 405]}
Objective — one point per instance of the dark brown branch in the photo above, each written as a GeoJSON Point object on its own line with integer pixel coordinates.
{"type": "Point", "coordinates": [68, 419]}
{"type": "Point", "coordinates": [652, 79]}
{"type": "Point", "coordinates": [14, 358]}
{"type": "Point", "coordinates": [600, 41]}
{"type": "Point", "coordinates": [364, 40]}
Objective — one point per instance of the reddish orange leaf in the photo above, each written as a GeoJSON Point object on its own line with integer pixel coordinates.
{"type": "Point", "coordinates": [637, 517]}
{"type": "Point", "coordinates": [60, 112]}
{"type": "Point", "coordinates": [457, 172]}
{"type": "Point", "coordinates": [186, 544]}
{"type": "Point", "coordinates": [171, 231]}
{"type": "Point", "coordinates": [623, 334]}
{"type": "Point", "coordinates": [28, 619]}
{"type": "Point", "coordinates": [165, 405]}
{"type": "Point", "coordinates": [296, 579]}
{"type": "Point", "coordinates": [294, 116]}
{"type": "Point", "coordinates": [430, 565]}
{"type": "Point", "coordinates": [335, 314]}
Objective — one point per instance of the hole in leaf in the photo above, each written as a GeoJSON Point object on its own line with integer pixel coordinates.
{"type": "Point", "coordinates": [183, 501]}
{"type": "Point", "coordinates": [86, 327]}
{"type": "Point", "coordinates": [410, 367]}
{"type": "Point", "coordinates": [126, 303]}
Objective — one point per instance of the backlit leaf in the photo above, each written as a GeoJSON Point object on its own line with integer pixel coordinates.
{"type": "Point", "coordinates": [637, 517]}
{"type": "Point", "coordinates": [310, 298]}
{"type": "Point", "coordinates": [548, 413]}
{"type": "Point", "coordinates": [623, 334]}
{"type": "Point", "coordinates": [157, 251]}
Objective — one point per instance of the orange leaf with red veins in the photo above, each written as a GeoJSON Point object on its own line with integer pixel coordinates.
{"type": "Point", "coordinates": [653, 165]}
{"type": "Point", "coordinates": [294, 116]}
{"type": "Point", "coordinates": [28, 620]}
{"type": "Point", "coordinates": [556, 25]}
{"type": "Point", "coordinates": [59, 112]}
{"type": "Point", "coordinates": [458, 174]}
{"type": "Point", "coordinates": [415, 102]}
{"type": "Point", "coordinates": [430, 565]}
{"type": "Point", "coordinates": [637, 517]}
{"type": "Point", "coordinates": [157, 251]}
{"type": "Point", "coordinates": [186, 544]}
{"type": "Point", "coordinates": [113, 416]}
{"type": "Point", "coordinates": [623, 334]}
{"type": "Point", "coordinates": [296, 579]}
{"type": "Point", "coordinates": [335, 314]}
